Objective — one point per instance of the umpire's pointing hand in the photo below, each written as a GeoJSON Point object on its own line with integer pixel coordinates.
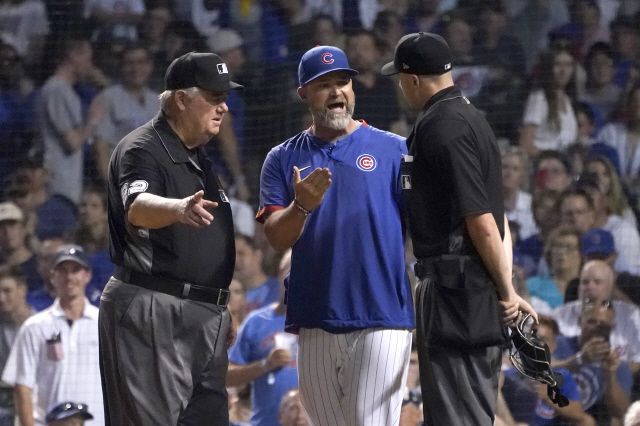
{"type": "Point", "coordinates": [310, 190]}
{"type": "Point", "coordinates": [193, 210]}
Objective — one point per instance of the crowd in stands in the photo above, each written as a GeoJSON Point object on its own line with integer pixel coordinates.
{"type": "Point", "coordinates": [558, 80]}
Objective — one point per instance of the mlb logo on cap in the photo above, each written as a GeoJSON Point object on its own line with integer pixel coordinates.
{"type": "Point", "coordinates": [222, 69]}
{"type": "Point", "coordinates": [322, 60]}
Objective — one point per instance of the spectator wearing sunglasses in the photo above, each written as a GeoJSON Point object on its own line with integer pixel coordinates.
{"type": "Point", "coordinates": [604, 379]}
{"type": "Point", "coordinates": [596, 286]}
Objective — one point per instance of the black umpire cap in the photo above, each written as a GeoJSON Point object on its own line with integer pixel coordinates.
{"type": "Point", "coordinates": [204, 70]}
{"type": "Point", "coordinates": [420, 54]}
{"type": "Point", "coordinates": [68, 409]}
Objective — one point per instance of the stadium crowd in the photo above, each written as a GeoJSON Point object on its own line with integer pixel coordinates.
{"type": "Point", "coordinates": [559, 81]}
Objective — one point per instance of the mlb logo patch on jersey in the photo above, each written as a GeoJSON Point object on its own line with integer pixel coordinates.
{"type": "Point", "coordinates": [223, 196]}
{"type": "Point", "coordinates": [366, 162]}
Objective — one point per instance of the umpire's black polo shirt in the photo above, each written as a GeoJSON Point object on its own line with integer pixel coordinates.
{"type": "Point", "coordinates": [456, 172]}
{"type": "Point", "coordinates": [153, 159]}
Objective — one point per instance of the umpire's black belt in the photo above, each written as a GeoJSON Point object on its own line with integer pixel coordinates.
{"type": "Point", "coordinates": [424, 267]}
{"type": "Point", "coordinates": [216, 296]}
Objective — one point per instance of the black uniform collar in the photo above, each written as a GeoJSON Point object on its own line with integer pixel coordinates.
{"type": "Point", "coordinates": [172, 143]}
{"type": "Point", "coordinates": [449, 92]}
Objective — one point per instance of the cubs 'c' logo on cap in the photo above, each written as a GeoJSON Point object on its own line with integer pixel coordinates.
{"type": "Point", "coordinates": [366, 162]}
{"type": "Point", "coordinates": [327, 58]}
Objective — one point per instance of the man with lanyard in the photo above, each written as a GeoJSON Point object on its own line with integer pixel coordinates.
{"type": "Point", "coordinates": [452, 181]}
{"type": "Point", "coordinates": [163, 315]}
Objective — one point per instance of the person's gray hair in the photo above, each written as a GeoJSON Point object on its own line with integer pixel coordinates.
{"type": "Point", "coordinates": [632, 418]}
{"type": "Point", "coordinates": [167, 95]}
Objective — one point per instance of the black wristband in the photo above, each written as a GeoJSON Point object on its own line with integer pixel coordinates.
{"type": "Point", "coordinates": [302, 209]}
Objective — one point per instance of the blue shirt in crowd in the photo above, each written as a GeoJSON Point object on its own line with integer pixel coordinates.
{"type": "Point", "coordinates": [263, 295]}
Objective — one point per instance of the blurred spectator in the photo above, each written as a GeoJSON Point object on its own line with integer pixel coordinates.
{"type": "Point", "coordinates": [231, 140]}
{"type": "Point", "coordinates": [261, 289]}
{"type": "Point", "coordinates": [469, 72]}
{"type": "Point", "coordinates": [586, 125]}
{"type": "Point", "coordinates": [92, 233]}
{"type": "Point", "coordinates": [520, 392]}
{"type": "Point", "coordinates": [152, 28]}
{"type": "Point", "coordinates": [625, 39]}
{"type": "Point", "coordinates": [494, 44]}
{"type": "Point", "coordinates": [14, 311]}
{"type": "Point", "coordinates": [14, 251]}
{"type": "Point", "coordinates": [265, 356]}
{"type": "Point", "coordinates": [389, 28]}
{"type": "Point", "coordinates": [517, 203]}
{"type": "Point", "coordinates": [545, 214]}
{"type": "Point", "coordinates": [577, 210]}
{"type": "Point", "coordinates": [24, 26]}
{"type": "Point", "coordinates": [597, 286]}
{"type": "Point", "coordinates": [115, 18]}
{"type": "Point", "coordinates": [625, 138]}
{"type": "Point", "coordinates": [237, 305]}
{"type": "Point", "coordinates": [549, 121]}
{"type": "Point", "coordinates": [291, 412]}
{"type": "Point", "coordinates": [423, 15]}
{"type": "Point", "coordinates": [577, 154]}
{"type": "Point", "coordinates": [552, 171]}
{"type": "Point", "coordinates": [597, 244]}
{"type": "Point", "coordinates": [68, 414]}
{"type": "Point", "coordinates": [45, 256]}
{"type": "Point", "coordinates": [585, 27]}
{"type": "Point", "coordinates": [532, 23]}
{"type": "Point", "coordinates": [377, 97]}
{"type": "Point", "coordinates": [239, 406]}
{"type": "Point", "coordinates": [563, 254]}
{"type": "Point", "coordinates": [625, 235]}
{"type": "Point", "coordinates": [632, 418]}
{"type": "Point", "coordinates": [128, 105]}
{"type": "Point", "coordinates": [603, 378]}
{"type": "Point", "coordinates": [350, 15]}
{"type": "Point", "coordinates": [46, 216]}
{"type": "Point", "coordinates": [325, 33]}
{"type": "Point", "coordinates": [520, 264]}
{"type": "Point", "coordinates": [411, 411]}
{"type": "Point", "coordinates": [17, 108]}
{"type": "Point", "coordinates": [600, 92]}
{"type": "Point", "coordinates": [605, 171]}
{"type": "Point", "coordinates": [55, 355]}
{"type": "Point", "coordinates": [60, 117]}
{"type": "Point", "coordinates": [208, 16]}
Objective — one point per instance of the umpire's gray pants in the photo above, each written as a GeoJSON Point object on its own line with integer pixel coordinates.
{"type": "Point", "coordinates": [459, 387]}
{"type": "Point", "coordinates": [163, 360]}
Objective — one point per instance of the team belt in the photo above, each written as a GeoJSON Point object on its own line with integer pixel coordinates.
{"type": "Point", "coordinates": [216, 296]}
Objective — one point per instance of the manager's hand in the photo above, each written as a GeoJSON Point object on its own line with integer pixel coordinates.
{"type": "Point", "coordinates": [310, 191]}
{"type": "Point", "coordinates": [192, 210]}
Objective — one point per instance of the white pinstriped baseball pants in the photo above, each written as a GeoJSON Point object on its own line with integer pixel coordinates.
{"type": "Point", "coordinates": [353, 379]}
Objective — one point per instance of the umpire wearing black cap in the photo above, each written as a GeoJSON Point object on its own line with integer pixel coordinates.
{"type": "Point", "coordinates": [164, 325]}
{"type": "Point", "coordinates": [452, 183]}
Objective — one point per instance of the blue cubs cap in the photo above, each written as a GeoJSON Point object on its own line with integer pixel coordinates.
{"type": "Point", "coordinates": [68, 409]}
{"type": "Point", "coordinates": [597, 241]}
{"type": "Point", "coordinates": [322, 60]}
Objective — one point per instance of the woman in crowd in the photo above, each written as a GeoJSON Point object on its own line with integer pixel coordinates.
{"type": "Point", "coordinates": [549, 121]}
{"type": "Point", "coordinates": [563, 253]}
{"type": "Point", "coordinates": [602, 167]}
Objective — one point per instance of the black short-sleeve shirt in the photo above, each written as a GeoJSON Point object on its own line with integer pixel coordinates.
{"type": "Point", "coordinates": [456, 172]}
{"type": "Point", "coordinates": [153, 159]}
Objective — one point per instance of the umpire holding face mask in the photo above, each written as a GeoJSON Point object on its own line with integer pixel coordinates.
{"type": "Point", "coordinates": [164, 325]}
{"type": "Point", "coordinates": [452, 183]}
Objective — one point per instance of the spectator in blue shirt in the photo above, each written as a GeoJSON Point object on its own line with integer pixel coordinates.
{"type": "Point", "coordinates": [261, 289]}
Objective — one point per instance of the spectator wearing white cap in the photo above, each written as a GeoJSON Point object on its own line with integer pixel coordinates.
{"type": "Point", "coordinates": [14, 251]}
{"type": "Point", "coordinates": [228, 44]}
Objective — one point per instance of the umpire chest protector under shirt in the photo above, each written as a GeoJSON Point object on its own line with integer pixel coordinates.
{"type": "Point", "coordinates": [347, 267]}
{"type": "Point", "coordinates": [153, 159]}
{"type": "Point", "coordinates": [456, 172]}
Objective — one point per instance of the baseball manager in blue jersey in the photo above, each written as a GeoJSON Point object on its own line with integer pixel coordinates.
{"type": "Point", "coordinates": [333, 194]}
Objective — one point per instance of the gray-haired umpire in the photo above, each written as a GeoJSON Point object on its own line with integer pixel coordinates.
{"type": "Point", "coordinates": [452, 183]}
{"type": "Point", "coordinates": [164, 325]}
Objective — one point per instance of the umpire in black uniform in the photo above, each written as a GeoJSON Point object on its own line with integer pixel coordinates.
{"type": "Point", "coordinates": [164, 325]}
{"type": "Point", "coordinates": [452, 183]}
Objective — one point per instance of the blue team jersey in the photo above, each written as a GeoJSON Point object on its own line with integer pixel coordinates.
{"type": "Point", "coordinates": [256, 338]}
{"type": "Point", "coordinates": [347, 267]}
{"type": "Point", "coordinates": [263, 295]}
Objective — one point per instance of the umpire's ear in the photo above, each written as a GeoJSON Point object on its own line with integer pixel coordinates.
{"type": "Point", "coordinates": [302, 92]}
